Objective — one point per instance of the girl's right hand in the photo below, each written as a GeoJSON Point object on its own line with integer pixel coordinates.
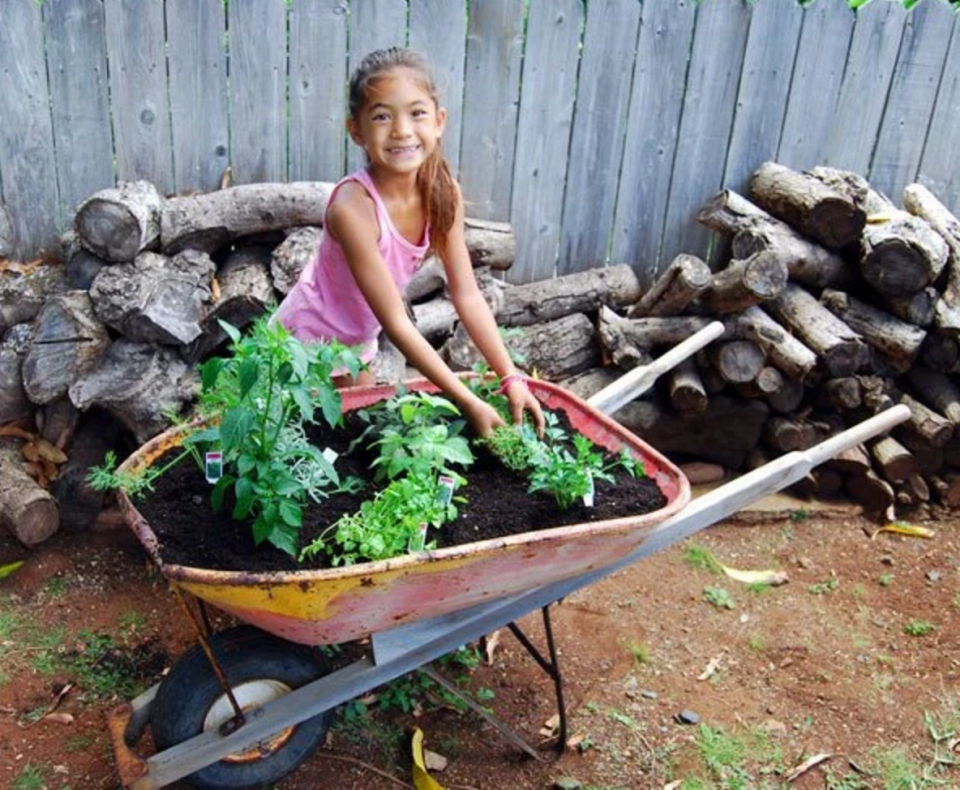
{"type": "Point", "coordinates": [482, 416]}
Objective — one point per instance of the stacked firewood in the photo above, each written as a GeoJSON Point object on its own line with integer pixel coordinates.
{"type": "Point", "coordinates": [836, 305]}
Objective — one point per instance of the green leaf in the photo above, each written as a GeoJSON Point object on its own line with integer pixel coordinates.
{"type": "Point", "coordinates": [291, 513]}
{"type": "Point", "coordinates": [9, 568]}
{"type": "Point", "coordinates": [284, 539]}
{"type": "Point", "coordinates": [331, 405]}
{"type": "Point", "coordinates": [237, 424]}
{"type": "Point", "coordinates": [232, 332]}
{"type": "Point", "coordinates": [249, 373]}
{"type": "Point", "coordinates": [210, 371]}
{"type": "Point", "coordinates": [244, 493]}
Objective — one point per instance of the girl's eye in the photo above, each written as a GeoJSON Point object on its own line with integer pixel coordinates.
{"type": "Point", "coordinates": [381, 116]}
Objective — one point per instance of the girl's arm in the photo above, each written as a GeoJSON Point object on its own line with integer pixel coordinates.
{"type": "Point", "coordinates": [479, 320]}
{"type": "Point", "coordinates": [352, 220]}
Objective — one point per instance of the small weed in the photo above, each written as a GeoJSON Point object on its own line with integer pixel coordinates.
{"type": "Point", "coordinates": [943, 726]}
{"type": "Point", "coordinates": [899, 771]}
{"type": "Point", "coordinates": [700, 557]}
{"type": "Point", "coordinates": [758, 588]}
{"type": "Point", "coordinates": [857, 592]}
{"type": "Point", "coordinates": [624, 719]}
{"type": "Point", "coordinates": [956, 602]}
{"type": "Point", "coordinates": [845, 782]}
{"type": "Point", "coordinates": [131, 622]}
{"type": "Point", "coordinates": [799, 515]}
{"type": "Point", "coordinates": [917, 627]}
{"type": "Point", "coordinates": [756, 643]}
{"type": "Point", "coordinates": [718, 597]}
{"type": "Point", "coordinates": [79, 744]}
{"type": "Point", "coordinates": [56, 587]}
{"type": "Point", "coordinates": [641, 653]}
{"type": "Point", "coordinates": [29, 778]}
{"type": "Point", "coordinates": [885, 580]}
{"type": "Point", "coordinates": [824, 587]}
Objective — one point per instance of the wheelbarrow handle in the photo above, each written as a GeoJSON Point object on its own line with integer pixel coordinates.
{"type": "Point", "coordinates": [633, 384]}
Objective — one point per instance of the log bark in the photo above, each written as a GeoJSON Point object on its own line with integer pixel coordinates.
{"type": "Point", "coordinates": [438, 318]}
{"type": "Point", "coordinates": [834, 218]}
{"type": "Point", "coordinates": [724, 433]}
{"type": "Point", "coordinates": [925, 424]}
{"type": "Point", "coordinates": [583, 292]}
{"type": "Point", "coordinates": [737, 361]}
{"type": "Point", "coordinates": [556, 349]}
{"type": "Point", "coordinates": [921, 309]}
{"type": "Point", "coordinates": [788, 398]}
{"type": "Point", "coordinates": [118, 223]}
{"type": "Point", "coordinates": [677, 287]}
{"type": "Point", "coordinates": [27, 511]}
{"type": "Point", "coordinates": [873, 493]}
{"type": "Point", "coordinates": [744, 283]}
{"type": "Point", "coordinates": [900, 253]}
{"type": "Point", "coordinates": [768, 382]}
{"type": "Point", "coordinates": [155, 299]}
{"type": "Point", "coordinates": [898, 341]}
{"type": "Point", "coordinates": [687, 393]}
{"type": "Point", "coordinates": [842, 394]}
{"type": "Point", "coordinates": [947, 489]}
{"type": "Point", "coordinates": [789, 355]}
{"type": "Point", "coordinates": [138, 384]}
{"type": "Point", "coordinates": [23, 293]}
{"type": "Point", "coordinates": [57, 421]}
{"type": "Point", "coordinates": [784, 434]}
{"type": "Point", "coordinates": [894, 462]}
{"type": "Point", "coordinates": [941, 352]}
{"type": "Point", "coordinates": [14, 403]}
{"type": "Point", "coordinates": [8, 237]}
{"type": "Point", "coordinates": [82, 269]}
{"type": "Point", "coordinates": [920, 201]}
{"type": "Point", "coordinates": [937, 389]}
{"type": "Point", "coordinates": [841, 350]}
{"type": "Point", "coordinates": [851, 462]}
{"type": "Point", "coordinates": [753, 230]}
{"type": "Point", "coordinates": [245, 293]}
{"type": "Point", "coordinates": [292, 255]}
{"type": "Point", "coordinates": [68, 341]}
{"type": "Point", "coordinates": [490, 243]}
{"type": "Point", "coordinates": [210, 220]}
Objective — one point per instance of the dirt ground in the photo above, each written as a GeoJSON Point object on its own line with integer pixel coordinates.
{"type": "Point", "coordinates": [856, 659]}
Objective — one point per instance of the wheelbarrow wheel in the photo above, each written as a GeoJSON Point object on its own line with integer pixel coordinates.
{"type": "Point", "coordinates": [259, 669]}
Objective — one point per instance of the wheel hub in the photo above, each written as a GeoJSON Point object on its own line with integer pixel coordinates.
{"type": "Point", "coordinates": [250, 695]}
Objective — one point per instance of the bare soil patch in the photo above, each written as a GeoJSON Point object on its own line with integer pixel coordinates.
{"type": "Point", "coordinates": [822, 664]}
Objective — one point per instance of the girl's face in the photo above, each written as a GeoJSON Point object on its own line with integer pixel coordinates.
{"type": "Point", "coordinates": [399, 125]}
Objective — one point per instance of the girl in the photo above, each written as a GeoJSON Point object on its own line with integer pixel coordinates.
{"type": "Point", "coordinates": [380, 223]}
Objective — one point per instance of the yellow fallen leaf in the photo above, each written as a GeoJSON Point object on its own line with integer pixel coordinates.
{"type": "Point", "coordinates": [806, 765]}
{"type": "Point", "coordinates": [772, 577]}
{"type": "Point", "coordinates": [6, 570]}
{"type": "Point", "coordinates": [421, 778]}
{"type": "Point", "coordinates": [909, 530]}
{"type": "Point", "coordinates": [50, 452]}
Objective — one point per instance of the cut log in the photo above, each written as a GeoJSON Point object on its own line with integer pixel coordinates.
{"type": "Point", "coordinates": [829, 482]}
{"type": "Point", "coordinates": [925, 424]}
{"type": "Point", "coordinates": [841, 350]}
{"type": "Point", "coordinates": [82, 269]}
{"type": "Point", "coordinates": [753, 230]}
{"type": "Point", "coordinates": [590, 382]}
{"type": "Point", "coordinates": [14, 403]}
{"type": "Point", "coordinates": [80, 504]}
{"type": "Point", "coordinates": [920, 309]}
{"type": "Point", "coordinates": [429, 281]}
{"type": "Point", "coordinates": [919, 200]}
{"type": "Point", "coordinates": [851, 462]}
{"type": "Point", "coordinates": [879, 393]}
{"type": "Point", "coordinates": [724, 433]}
{"type": "Point", "coordinates": [556, 349]}
{"type": "Point", "coordinates": [582, 292]}
{"type": "Point", "coordinates": [490, 243]}
{"type": "Point", "coordinates": [930, 460]}
{"type": "Point", "coordinates": [785, 434]}
{"type": "Point", "coordinates": [937, 389]}
{"type": "Point", "coordinates": [647, 333]}
{"type": "Point", "coordinates": [677, 287]}
{"type": "Point", "coordinates": [737, 361]}
{"type": "Point", "coordinates": [834, 218]}
{"type": "Point", "coordinates": [118, 223]}
{"type": "Point", "coordinates": [899, 342]}
{"type": "Point", "coordinates": [768, 382]}
{"type": "Point", "coordinates": [788, 398]}
{"type": "Point", "coordinates": [874, 494]}
{"type": "Point", "coordinates": [139, 385]}
{"type": "Point", "coordinates": [783, 350]}
{"type": "Point", "coordinates": [292, 255]}
{"type": "Point", "coordinates": [57, 421]}
{"type": "Point", "coordinates": [27, 511]}
{"type": "Point", "coordinates": [389, 366]}
{"type": "Point", "coordinates": [68, 340]}
{"type": "Point", "coordinates": [841, 394]}
{"type": "Point", "coordinates": [947, 489]}
{"type": "Point", "coordinates": [893, 461]}
{"type": "Point", "coordinates": [437, 319]}
{"type": "Point", "coordinates": [941, 352]}
{"type": "Point", "coordinates": [900, 253]}
{"type": "Point", "coordinates": [23, 293]}
{"type": "Point", "coordinates": [687, 394]}
{"type": "Point", "coordinates": [155, 299]}
{"type": "Point", "coordinates": [245, 293]}
{"type": "Point", "coordinates": [744, 283]}
{"type": "Point", "coordinates": [8, 235]}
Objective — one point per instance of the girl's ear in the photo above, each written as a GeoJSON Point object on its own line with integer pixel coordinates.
{"type": "Point", "coordinates": [353, 129]}
{"type": "Point", "coordinates": [441, 119]}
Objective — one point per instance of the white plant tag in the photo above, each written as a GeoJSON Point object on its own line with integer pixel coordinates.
{"type": "Point", "coordinates": [588, 497]}
{"type": "Point", "coordinates": [330, 454]}
{"type": "Point", "coordinates": [447, 484]}
{"type": "Point", "coordinates": [418, 539]}
{"type": "Point", "coordinates": [213, 466]}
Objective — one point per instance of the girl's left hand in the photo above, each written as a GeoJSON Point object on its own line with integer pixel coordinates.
{"type": "Point", "coordinates": [522, 400]}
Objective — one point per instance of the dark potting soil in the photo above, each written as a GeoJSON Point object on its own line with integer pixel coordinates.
{"type": "Point", "coordinates": [498, 504]}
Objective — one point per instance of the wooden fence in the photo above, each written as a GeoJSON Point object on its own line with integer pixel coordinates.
{"type": "Point", "coordinates": [598, 128]}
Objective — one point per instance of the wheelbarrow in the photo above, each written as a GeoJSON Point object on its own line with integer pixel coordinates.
{"type": "Point", "coordinates": [246, 706]}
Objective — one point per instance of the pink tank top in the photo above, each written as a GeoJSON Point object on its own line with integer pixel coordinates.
{"type": "Point", "coordinates": [326, 302]}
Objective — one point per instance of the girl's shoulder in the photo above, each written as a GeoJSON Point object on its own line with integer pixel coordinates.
{"type": "Point", "coordinates": [351, 203]}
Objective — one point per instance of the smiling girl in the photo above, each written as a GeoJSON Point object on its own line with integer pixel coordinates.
{"type": "Point", "coordinates": [380, 223]}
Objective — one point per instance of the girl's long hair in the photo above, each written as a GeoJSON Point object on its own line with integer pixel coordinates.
{"type": "Point", "coordinates": [438, 190]}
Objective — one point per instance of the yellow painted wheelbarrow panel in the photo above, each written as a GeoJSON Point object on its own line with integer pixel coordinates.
{"type": "Point", "coordinates": [343, 604]}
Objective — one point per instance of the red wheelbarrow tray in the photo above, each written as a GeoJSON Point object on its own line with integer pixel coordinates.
{"type": "Point", "coordinates": [343, 604]}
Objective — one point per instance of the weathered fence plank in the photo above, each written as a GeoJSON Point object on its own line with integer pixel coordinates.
{"type": "Point", "coordinates": [708, 106]}
{"type": "Point", "coordinates": [491, 95]}
{"type": "Point", "coordinates": [138, 91]}
{"type": "Point", "coordinates": [815, 87]}
{"type": "Point", "coordinates": [198, 92]}
{"type": "Point", "coordinates": [873, 54]}
{"type": "Point", "coordinates": [913, 93]}
{"type": "Point", "coordinates": [660, 74]}
{"type": "Point", "coordinates": [439, 27]}
{"type": "Point", "coordinates": [318, 85]}
{"type": "Point", "coordinates": [79, 106]}
{"type": "Point", "coordinates": [599, 128]}
{"type": "Point", "coordinates": [764, 87]}
{"type": "Point", "coordinates": [546, 115]}
{"type": "Point", "coordinates": [940, 165]}
{"type": "Point", "coordinates": [373, 26]}
{"type": "Point", "coordinates": [258, 77]}
{"type": "Point", "coordinates": [26, 148]}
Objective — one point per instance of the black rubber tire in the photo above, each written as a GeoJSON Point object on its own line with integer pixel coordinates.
{"type": "Point", "coordinates": [191, 689]}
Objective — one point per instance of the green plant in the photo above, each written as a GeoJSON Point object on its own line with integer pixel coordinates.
{"type": "Point", "coordinates": [885, 580]}
{"type": "Point", "coordinates": [824, 587]}
{"type": "Point", "coordinates": [641, 653]}
{"type": "Point", "coordinates": [256, 402]}
{"type": "Point", "coordinates": [718, 597]}
{"type": "Point", "coordinates": [701, 557]}
{"type": "Point", "coordinates": [31, 777]}
{"type": "Point", "coordinates": [918, 627]}
{"type": "Point", "coordinates": [514, 445]}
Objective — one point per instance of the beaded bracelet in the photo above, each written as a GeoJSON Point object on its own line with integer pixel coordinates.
{"type": "Point", "coordinates": [506, 381]}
